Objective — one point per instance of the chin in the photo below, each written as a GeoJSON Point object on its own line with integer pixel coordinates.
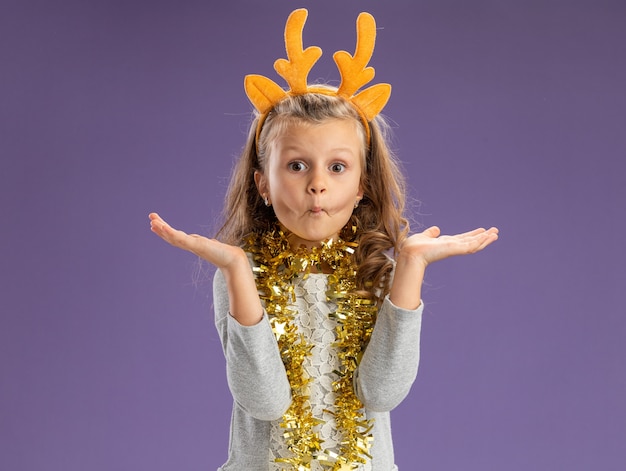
{"type": "Point", "coordinates": [310, 240]}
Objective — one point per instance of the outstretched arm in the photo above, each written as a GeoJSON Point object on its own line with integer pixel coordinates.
{"type": "Point", "coordinates": [390, 362]}
{"type": "Point", "coordinates": [245, 305]}
{"type": "Point", "coordinates": [420, 250]}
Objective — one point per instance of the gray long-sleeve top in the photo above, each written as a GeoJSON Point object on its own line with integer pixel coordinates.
{"type": "Point", "coordinates": [261, 392]}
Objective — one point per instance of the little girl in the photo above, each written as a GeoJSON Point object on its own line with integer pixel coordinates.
{"type": "Point", "coordinates": [318, 290]}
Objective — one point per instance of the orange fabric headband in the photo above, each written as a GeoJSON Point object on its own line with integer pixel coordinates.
{"type": "Point", "coordinates": [265, 93]}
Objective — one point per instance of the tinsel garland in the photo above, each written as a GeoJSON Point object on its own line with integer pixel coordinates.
{"type": "Point", "coordinates": [277, 265]}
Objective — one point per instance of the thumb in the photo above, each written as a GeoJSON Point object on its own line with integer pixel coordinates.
{"type": "Point", "coordinates": [432, 231]}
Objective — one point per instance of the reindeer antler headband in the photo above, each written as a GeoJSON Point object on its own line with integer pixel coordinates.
{"type": "Point", "coordinates": [265, 93]}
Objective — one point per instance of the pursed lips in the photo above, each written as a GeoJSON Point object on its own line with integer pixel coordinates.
{"type": "Point", "coordinates": [316, 208]}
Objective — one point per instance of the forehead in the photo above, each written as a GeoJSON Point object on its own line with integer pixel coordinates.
{"type": "Point", "coordinates": [328, 135]}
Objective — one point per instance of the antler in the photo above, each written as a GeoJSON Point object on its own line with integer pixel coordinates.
{"type": "Point", "coordinates": [355, 74]}
{"type": "Point", "coordinates": [300, 61]}
{"type": "Point", "coordinates": [265, 93]}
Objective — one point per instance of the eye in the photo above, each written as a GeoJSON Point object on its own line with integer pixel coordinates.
{"type": "Point", "coordinates": [296, 166]}
{"type": "Point", "coordinates": [337, 167]}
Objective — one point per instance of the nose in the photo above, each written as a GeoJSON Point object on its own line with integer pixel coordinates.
{"type": "Point", "coordinates": [317, 183]}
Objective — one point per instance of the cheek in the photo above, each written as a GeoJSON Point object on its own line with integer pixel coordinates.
{"type": "Point", "coordinates": [273, 180]}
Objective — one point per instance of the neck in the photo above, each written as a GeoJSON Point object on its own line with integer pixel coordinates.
{"type": "Point", "coordinates": [298, 244]}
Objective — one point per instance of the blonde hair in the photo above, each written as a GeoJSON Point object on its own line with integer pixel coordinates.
{"type": "Point", "coordinates": [379, 219]}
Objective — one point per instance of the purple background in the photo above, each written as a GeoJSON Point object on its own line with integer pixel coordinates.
{"type": "Point", "coordinates": [506, 113]}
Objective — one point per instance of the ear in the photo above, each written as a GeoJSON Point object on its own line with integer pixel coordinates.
{"type": "Point", "coordinates": [261, 183]}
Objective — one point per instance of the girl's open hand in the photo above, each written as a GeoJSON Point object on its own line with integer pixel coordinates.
{"type": "Point", "coordinates": [420, 250]}
{"type": "Point", "coordinates": [245, 305]}
{"type": "Point", "coordinates": [219, 254]}
{"type": "Point", "coordinates": [429, 246]}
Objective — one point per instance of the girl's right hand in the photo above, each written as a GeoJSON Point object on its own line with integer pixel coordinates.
{"type": "Point", "coordinates": [219, 254]}
{"type": "Point", "coordinates": [245, 305]}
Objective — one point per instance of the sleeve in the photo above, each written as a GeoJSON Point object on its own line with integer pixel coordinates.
{"type": "Point", "coordinates": [254, 369]}
{"type": "Point", "coordinates": [390, 361]}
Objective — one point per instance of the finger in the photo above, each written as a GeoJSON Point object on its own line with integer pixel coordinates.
{"type": "Point", "coordinates": [173, 236]}
{"type": "Point", "coordinates": [473, 233]}
{"type": "Point", "coordinates": [432, 231]}
{"type": "Point", "coordinates": [155, 217]}
{"type": "Point", "coordinates": [155, 220]}
{"type": "Point", "coordinates": [158, 225]}
{"type": "Point", "coordinates": [468, 236]}
{"type": "Point", "coordinates": [478, 233]}
{"type": "Point", "coordinates": [485, 239]}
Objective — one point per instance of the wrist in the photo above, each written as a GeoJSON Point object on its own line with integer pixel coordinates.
{"type": "Point", "coordinates": [238, 267]}
{"type": "Point", "coordinates": [245, 305]}
{"type": "Point", "coordinates": [415, 263]}
{"type": "Point", "coordinates": [406, 288]}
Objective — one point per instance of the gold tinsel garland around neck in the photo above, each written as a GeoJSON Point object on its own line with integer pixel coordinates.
{"type": "Point", "coordinates": [276, 267]}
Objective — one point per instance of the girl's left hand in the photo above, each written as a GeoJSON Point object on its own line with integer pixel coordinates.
{"type": "Point", "coordinates": [429, 246]}
{"type": "Point", "coordinates": [420, 250]}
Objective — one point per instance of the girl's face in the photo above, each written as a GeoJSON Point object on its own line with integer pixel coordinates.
{"type": "Point", "coordinates": [312, 179]}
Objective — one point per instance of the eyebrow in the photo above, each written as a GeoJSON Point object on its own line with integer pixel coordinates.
{"type": "Point", "coordinates": [298, 148]}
